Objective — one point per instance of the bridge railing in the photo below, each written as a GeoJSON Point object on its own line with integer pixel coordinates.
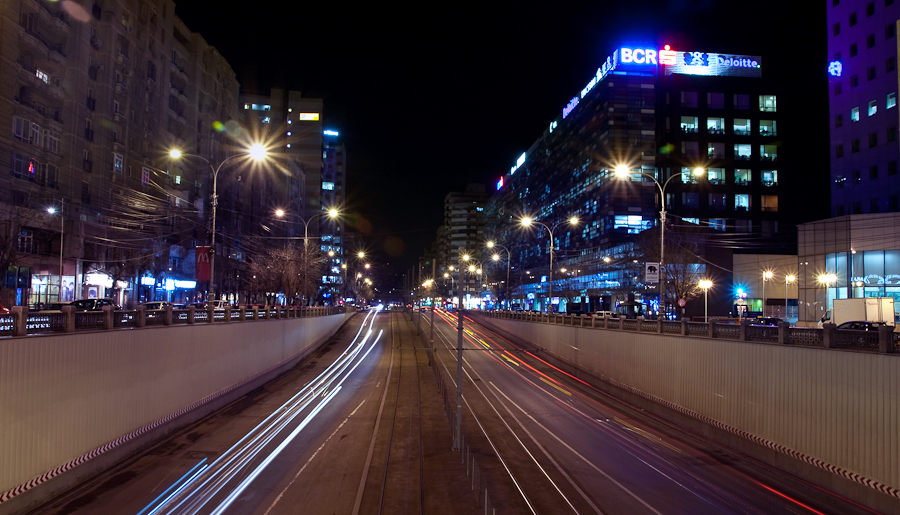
{"type": "Point", "coordinates": [21, 322]}
{"type": "Point", "coordinates": [884, 340]}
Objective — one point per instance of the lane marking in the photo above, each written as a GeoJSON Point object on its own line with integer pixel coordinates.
{"type": "Point", "coordinates": [648, 435]}
{"type": "Point", "coordinates": [550, 383]}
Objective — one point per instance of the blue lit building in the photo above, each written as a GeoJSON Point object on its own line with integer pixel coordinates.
{"type": "Point", "coordinates": [660, 113]}
{"type": "Point", "coordinates": [862, 98]}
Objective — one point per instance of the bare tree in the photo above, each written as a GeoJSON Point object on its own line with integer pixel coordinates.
{"type": "Point", "coordinates": [683, 266]}
{"type": "Point", "coordinates": [294, 271]}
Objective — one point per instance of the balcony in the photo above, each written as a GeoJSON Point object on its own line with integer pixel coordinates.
{"type": "Point", "coordinates": [58, 56]}
{"type": "Point", "coordinates": [34, 40]}
{"type": "Point", "coordinates": [59, 23]}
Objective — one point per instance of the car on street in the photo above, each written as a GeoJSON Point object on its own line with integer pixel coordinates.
{"type": "Point", "coordinates": [156, 305]}
{"type": "Point", "coordinates": [610, 314]}
{"type": "Point", "coordinates": [862, 325]}
{"type": "Point", "coordinates": [80, 305]}
{"type": "Point", "coordinates": [770, 321]}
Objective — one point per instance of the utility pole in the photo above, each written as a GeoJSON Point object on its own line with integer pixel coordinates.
{"type": "Point", "coordinates": [418, 297]}
{"type": "Point", "coordinates": [457, 434]}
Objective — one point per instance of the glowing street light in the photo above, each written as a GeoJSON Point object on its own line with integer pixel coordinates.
{"type": "Point", "coordinates": [787, 280]}
{"type": "Point", "coordinates": [623, 172]}
{"type": "Point", "coordinates": [526, 222]}
{"type": "Point", "coordinates": [767, 276]}
{"type": "Point", "coordinates": [827, 279]}
{"type": "Point", "coordinates": [256, 152]}
{"type": "Point", "coordinates": [706, 284]}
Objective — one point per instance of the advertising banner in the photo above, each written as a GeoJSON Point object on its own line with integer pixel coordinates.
{"type": "Point", "coordinates": [203, 263]}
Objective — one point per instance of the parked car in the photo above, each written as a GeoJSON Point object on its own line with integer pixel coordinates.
{"type": "Point", "coordinates": [155, 305]}
{"type": "Point", "coordinates": [80, 305]}
{"type": "Point", "coordinates": [770, 321]}
{"type": "Point", "coordinates": [862, 325]}
{"type": "Point", "coordinates": [610, 314]}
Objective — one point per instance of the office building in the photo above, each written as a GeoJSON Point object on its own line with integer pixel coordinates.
{"type": "Point", "coordinates": [862, 101]}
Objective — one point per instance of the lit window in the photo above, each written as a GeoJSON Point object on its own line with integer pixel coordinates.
{"type": "Point", "coordinates": [177, 179]}
{"type": "Point", "coordinates": [117, 163]}
{"type": "Point", "coordinates": [265, 119]}
{"type": "Point", "coordinates": [742, 151]}
{"type": "Point", "coordinates": [328, 186]}
{"type": "Point", "coordinates": [769, 177]}
{"type": "Point", "coordinates": [891, 100]}
{"type": "Point", "coordinates": [742, 202]}
{"type": "Point", "coordinates": [742, 176]}
{"type": "Point", "coordinates": [767, 103]}
{"type": "Point", "coordinates": [741, 127]}
{"type": "Point", "coordinates": [42, 75]}
{"type": "Point", "coordinates": [691, 220]}
{"type": "Point", "coordinates": [633, 223]}
{"type": "Point", "coordinates": [768, 127]}
{"type": "Point", "coordinates": [873, 108]}
{"type": "Point", "coordinates": [309, 117]}
{"type": "Point", "coordinates": [717, 224]}
{"type": "Point", "coordinates": [145, 176]}
{"type": "Point", "coordinates": [854, 114]}
{"type": "Point", "coordinates": [770, 202]}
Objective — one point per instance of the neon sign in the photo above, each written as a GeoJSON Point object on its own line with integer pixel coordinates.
{"type": "Point", "coordinates": [668, 56]}
{"type": "Point", "coordinates": [500, 183]}
{"type": "Point", "coordinates": [638, 55]}
{"type": "Point", "coordinates": [835, 68]}
{"type": "Point", "coordinates": [519, 162]}
{"type": "Point", "coordinates": [553, 125]}
{"type": "Point", "coordinates": [568, 109]}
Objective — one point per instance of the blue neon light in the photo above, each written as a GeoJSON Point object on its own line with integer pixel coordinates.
{"type": "Point", "coordinates": [331, 133]}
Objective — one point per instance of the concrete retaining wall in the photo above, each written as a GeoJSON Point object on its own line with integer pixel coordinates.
{"type": "Point", "coordinates": [831, 416]}
{"type": "Point", "coordinates": [63, 397]}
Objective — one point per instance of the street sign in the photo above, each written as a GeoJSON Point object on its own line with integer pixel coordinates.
{"type": "Point", "coordinates": [681, 302]}
{"type": "Point", "coordinates": [740, 302]}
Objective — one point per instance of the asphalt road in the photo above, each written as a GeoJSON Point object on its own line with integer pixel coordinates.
{"type": "Point", "coordinates": [557, 445]}
{"type": "Point", "coordinates": [342, 433]}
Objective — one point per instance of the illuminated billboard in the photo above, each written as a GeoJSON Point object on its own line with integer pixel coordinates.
{"type": "Point", "coordinates": [721, 65]}
{"type": "Point", "coordinates": [309, 117]}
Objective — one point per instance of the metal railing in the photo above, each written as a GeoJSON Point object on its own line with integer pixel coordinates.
{"type": "Point", "coordinates": [22, 322]}
{"type": "Point", "coordinates": [883, 340]}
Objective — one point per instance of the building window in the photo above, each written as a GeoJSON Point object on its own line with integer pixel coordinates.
{"type": "Point", "coordinates": [767, 103]}
{"type": "Point", "coordinates": [741, 101]}
{"type": "Point", "coordinates": [718, 201]}
{"type": "Point", "coordinates": [689, 124]}
{"type": "Point", "coordinates": [742, 202]}
{"type": "Point", "coordinates": [854, 80]}
{"type": "Point", "coordinates": [839, 182]}
{"type": "Point", "coordinates": [870, 73]}
{"type": "Point", "coordinates": [688, 99]}
{"type": "Point", "coordinates": [715, 100]}
{"type": "Point", "coordinates": [870, 40]}
{"type": "Point", "coordinates": [873, 108]}
{"type": "Point", "coordinates": [873, 205]}
{"type": "Point", "coordinates": [891, 100]}
{"type": "Point", "coordinates": [742, 151]}
{"type": "Point", "coordinates": [715, 125]}
{"type": "Point", "coordinates": [768, 128]}
{"type": "Point", "coordinates": [690, 200]}
{"type": "Point", "coordinates": [853, 50]}
{"type": "Point", "coordinates": [870, 9]}
{"type": "Point", "coordinates": [769, 203]}
{"type": "Point", "coordinates": [839, 150]}
{"type": "Point", "coordinates": [892, 203]}
{"type": "Point", "coordinates": [769, 177]}
{"type": "Point", "coordinates": [25, 242]}
{"type": "Point", "coordinates": [837, 56]}
{"type": "Point", "coordinates": [838, 121]}
{"type": "Point", "coordinates": [836, 29]}
{"type": "Point", "coordinates": [852, 20]}
{"type": "Point", "coordinates": [741, 127]}
{"type": "Point", "coordinates": [330, 186]}
{"type": "Point", "coordinates": [873, 140]}
{"type": "Point", "coordinates": [85, 193]}
{"type": "Point", "coordinates": [856, 177]}
{"type": "Point", "coordinates": [854, 114]}
{"type": "Point", "coordinates": [854, 146]}
{"type": "Point", "coordinates": [742, 177]}
{"type": "Point", "coordinates": [51, 141]}
{"type": "Point", "coordinates": [837, 88]}
{"type": "Point", "coordinates": [890, 64]}
{"type": "Point", "coordinates": [145, 176]}
{"type": "Point", "coordinates": [892, 168]}
{"type": "Point", "coordinates": [715, 175]}
{"type": "Point", "coordinates": [890, 30]}
{"type": "Point", "coordinates": [118, 162]}
{"type": "Point", "coordinates": [892, 134]}
{"type": "Point", "coordinates": [717, 224]}
{"type": "Point", "coordinates": [715, 150]}
{"type": "Point", "coordinates": [690, 149]}
{"type": "Point", "coordinates": [768, 152]}
{"type": "Point", "coordinates": [873, 172]}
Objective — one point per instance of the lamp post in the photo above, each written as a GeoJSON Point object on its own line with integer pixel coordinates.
{"type": "Point", "coordinates": [827, 279]}
{"type": "Point", "coordinates": [496, 257]}
{"type": "Point", "coordinates": [706, 284]}
{"type": "Point", "coordinates": [787, 279]}
{"type": "Point", "coordinates": [767, 275]}
{"type": "Point", "coordinates": [62, 233]}
{"type": "Point", "coordinates": [331, 213]}
{"type": "Point", "coordinates": [623, 172]}
{"type": "Point", "coordinates": [526, 221]}
{"type": "Point", "coordinates": [257, 152]}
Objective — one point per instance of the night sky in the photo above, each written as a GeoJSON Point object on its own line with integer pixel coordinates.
{"type": "Point", "coordinates": [429, 98]}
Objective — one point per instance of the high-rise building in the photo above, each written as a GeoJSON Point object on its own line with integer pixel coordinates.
{"type": "Point", "coordinates": [658, 114]}
{"type": "Point", "coordinates": [862, 98]}
{"type": "Point", "coordinates": [334, 182]}
{"type": "Point", "coordinates": [464, 222]}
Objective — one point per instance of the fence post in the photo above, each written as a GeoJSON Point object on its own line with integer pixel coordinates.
{"type": "Point", "coordinates": [141, 316]}
{"type": "Point", "coordinates": [243, 313]}
{"type": "Point", "coordinates": [69, 312]}
{"type": "Point", "coordinates": [683, 327]}
{"type": "Point", "coordinates": [783, 328]}
{"type": "Point", "coordinates": [744, 325]}
{"type": "Point", "coordinates": [711, 329]}
{"type": "Point", "coordinates": [210, 313]}
{"type": "Point", "coordinates": [190, 315]}
{"type": "Point", "coordinates": [885, 339]}
{"type": "Point", "coordinates": [255, 312]}
{"type": "Point", "coordinates": [167, 316]}
{"type": "Point", "coordinates": [622, 323]}
{"type": "Point", "coordinates": [107, 317]}
{"type": "Point", "coordinates": [21, 313]}
{"type": "Point", "coordinates": [228, 313]}
{"type": "Point", "coordinates": [828, 335]}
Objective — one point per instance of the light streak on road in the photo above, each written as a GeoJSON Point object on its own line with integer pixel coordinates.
{"type": "Point", "coordinates": [208, 482]}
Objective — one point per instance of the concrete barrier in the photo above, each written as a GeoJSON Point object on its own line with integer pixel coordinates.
{"type": "Point", "coordinates": [73, 404]}
{"type": "Point", "coordinates": [826, 415]}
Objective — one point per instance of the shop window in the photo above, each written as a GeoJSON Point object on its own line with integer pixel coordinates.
{"type": "Point", "coordinates": [767, 103]}
{"type": "Point", "coordinates": [769, 203]}
{"type": "Point", "coordinates": [741, 127]}
{"type": "Point", "coordinates": [742, 176]}
{"type": "Point", "coordinates": [742, 202]}
{"type": "Point", "coordinates": [769, 177]}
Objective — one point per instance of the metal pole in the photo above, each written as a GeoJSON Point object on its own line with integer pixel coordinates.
{"type": "Point", "coordinates": [211, 296]}
{"type": "Point", "coordinates": [62, 234]}
{"type": "Point", "coordinates": [433, 284]}
{"type": "Point", "coordinates": [764, 296]}
{"type": "Point", "coordinates": [305, 263]}
{"type": "Point", "coordinates": [662, 254]}
{"type": "Point", "coordinates": [459, 369]}
{"type": "Point", "coordinates": [550, 297]}
{"type": "Point", "coordinates": [507, 281]}
{"type": "Point", "coordinates": [706, 305]}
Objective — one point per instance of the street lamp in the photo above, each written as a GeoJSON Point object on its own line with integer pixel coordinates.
{"type": "Point", "coordinates": [623, 172]}
{"type": "Point", "coordinates": [331, 213]}
{"type": "Point", "coordinates": [256, 152]}
{"type": "Point", "coordinates": [706, 284]}
{"type": "Point", "coordinates": [496, 257]}
{"type": "Point", "coordinates": [827, 279]}
{"type": "Point", "coordinates": [62, 232]}
{"type": "Point", "coordinates": [787, 279]}
{"type": "Point", "coordinates": [767, 275]}
{"type": "Point", "coordinates": [526, 221]}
